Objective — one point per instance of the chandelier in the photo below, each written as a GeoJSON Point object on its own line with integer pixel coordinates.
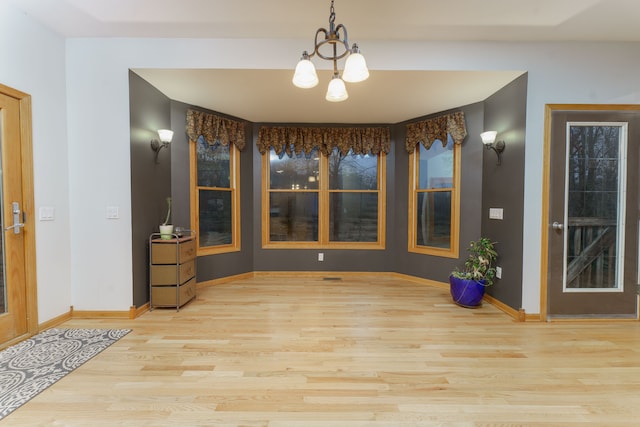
{"type": "Point", "coordinates": [334, 44]}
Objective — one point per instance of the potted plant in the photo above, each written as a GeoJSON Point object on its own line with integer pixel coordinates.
{"type": "Point", "coordinates": [166, 229]}
{"type": "Point", "coordinates": [468, 284]}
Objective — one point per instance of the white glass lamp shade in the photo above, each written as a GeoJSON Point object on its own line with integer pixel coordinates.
{"type": "Point", "coordinates": [305, 76]}
{"type": "Point", "coordinates": [337, 91]}
{"type": "Point", "coordinates": [165, 135]}
{"type": "Point", "coordinates": [355, 69]}
{"type": "Point", "coordinates": [488, 137]}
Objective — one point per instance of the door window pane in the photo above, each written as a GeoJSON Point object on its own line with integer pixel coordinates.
{"type": "Point", "coordinates": [3, 287]}
{"type": "Point", "coordinates": [594, 207]}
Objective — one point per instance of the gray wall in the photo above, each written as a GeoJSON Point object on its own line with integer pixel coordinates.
{"type": "Point", "coordinates": [503, 187]}
{"type": "Point", "coordinates": [483, 185]}
{"type": "Point", "coordinates": [150, 182]}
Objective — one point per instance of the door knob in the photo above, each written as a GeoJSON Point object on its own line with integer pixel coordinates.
{"type": "Point", "coordinates": [557, 226]}
{"type": "Point", "coordinates": [17, 224]}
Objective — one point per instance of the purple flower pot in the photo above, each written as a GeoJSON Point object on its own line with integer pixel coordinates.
{"type": "Point", "coordinates": [466, 293]}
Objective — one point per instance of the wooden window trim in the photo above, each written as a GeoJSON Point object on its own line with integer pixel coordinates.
{"type": "Point", "coordinates": [323, 211]}
{"type": "Point", "coordinates": [453, 251]}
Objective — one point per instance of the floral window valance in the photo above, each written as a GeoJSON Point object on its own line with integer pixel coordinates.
{"type": "Point", "coordinates": [304, 139]}
{"type": "Point", "coordinates": [215, 129]}
{"type": "Point", "coordinates": [427, 131]}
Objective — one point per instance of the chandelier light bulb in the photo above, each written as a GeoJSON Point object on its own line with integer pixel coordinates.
{"type": "Point", "coordinates": [355, 68]}
{"type": "Point", "coordinates": [332, 45]}
{"type": "Point", "coordinates": [305, 76]}
{"type": "Point", "coordinates": [337, 91]}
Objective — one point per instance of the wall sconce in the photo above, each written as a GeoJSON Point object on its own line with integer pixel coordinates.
{"type": "Point", "coordinates": [165, 138]}
{"type": "Point", "coordinates": [489, 141]}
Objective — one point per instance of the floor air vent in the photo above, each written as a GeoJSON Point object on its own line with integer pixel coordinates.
{"type": "Point", "coordinates": [332, 278]}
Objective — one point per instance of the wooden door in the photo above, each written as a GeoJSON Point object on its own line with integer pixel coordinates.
{"type": "Point", "coordinates": [18, 311]}
{"type": "Point", "coordinates": [592, 221]}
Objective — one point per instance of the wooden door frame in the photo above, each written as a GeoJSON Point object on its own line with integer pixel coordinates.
{"type": "Point", "coordinates": [546, 177]}
{"type": "Point", "coordinates": [29, 208]}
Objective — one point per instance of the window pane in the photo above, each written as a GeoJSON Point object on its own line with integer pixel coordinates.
{"type": "Point", "coordinates": [353, 172]}
{"type": "Point", "coordinates": [433, 226]}
{"type": "Point", "coordinates": [294, 173]}
{"type": "Point", "coordinates": [215, 218]}
{"type": "Point", "coordinates": [353, 217]}
{"type": "Point", "coordinates": [436, 165]}
{"type": "Point", "coordinates": [594, 235]}
{"type": "Point", "coordinates": [293, 217]}
{"type": "Point", "coordinates": [213, 165]}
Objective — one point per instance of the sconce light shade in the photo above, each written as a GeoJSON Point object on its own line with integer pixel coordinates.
{"type": "Point", "coordinates": [165, 136]}
{"type": "Point", "coordinates": [488, 137]}
{"type": "Point", "coordinates": [336, 91]}
{"type": "Point", "coordinates": [489, 141]}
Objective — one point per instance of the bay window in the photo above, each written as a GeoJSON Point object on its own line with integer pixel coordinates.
{"type": "Point", "coordinates": [328, 194]}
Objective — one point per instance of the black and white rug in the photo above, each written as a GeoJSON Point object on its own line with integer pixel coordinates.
{"type": "Point", "coordinates": [31, 366]}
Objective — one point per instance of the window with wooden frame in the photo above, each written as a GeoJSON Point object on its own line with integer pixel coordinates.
{"type": "Point", "coordinates": [217, 197]}
{"type": "Point", "coordinates": [322, 197]}
{"type": "Point", "coordinates": [434, 199]}
{"type": "Point", "coordinates": [215, 181]}
{"type": "Point", "coordinates": [434, 185]}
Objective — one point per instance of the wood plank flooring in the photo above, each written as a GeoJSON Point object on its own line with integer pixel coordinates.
{"type": "Point", "coordinates": [370, 350]}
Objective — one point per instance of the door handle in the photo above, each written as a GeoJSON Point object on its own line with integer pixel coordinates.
{"type": "Point", "coordinates": [17, 225]}
{"type": "Point", "coordinates": [557, 226]}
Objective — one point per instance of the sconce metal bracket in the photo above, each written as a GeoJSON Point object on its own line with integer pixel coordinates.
{"type": "Point", "coordinates": [156, 146]}
{"type": "Point", "coordinates": [498, 147]}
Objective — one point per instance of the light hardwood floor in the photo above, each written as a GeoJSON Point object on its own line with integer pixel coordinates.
{"type": "Point", "coordinates": [372, 351]}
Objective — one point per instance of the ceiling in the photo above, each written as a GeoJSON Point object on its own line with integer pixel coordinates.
{"type": "Point", "coordinates": [269, 96]}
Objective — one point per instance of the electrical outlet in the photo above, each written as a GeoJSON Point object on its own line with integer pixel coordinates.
{"type": "Point", "coordinates": [499, 272]}
{"type": "Point", "coordinates": [320, 256]}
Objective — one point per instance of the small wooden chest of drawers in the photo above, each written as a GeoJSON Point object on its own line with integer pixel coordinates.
{"type": "Point", "coordinates": [172, 271]}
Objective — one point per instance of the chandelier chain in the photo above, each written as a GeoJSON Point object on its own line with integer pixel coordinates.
{"type": "Point", "coordinates": [332, 14]}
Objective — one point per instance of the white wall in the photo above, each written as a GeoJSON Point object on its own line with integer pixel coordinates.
{"type": "Point", "coordinates": [98, 132]}
{"type": "Point", "coordinates": [33, 61]}
{"type": "Point", "coordinates": [558, 73]}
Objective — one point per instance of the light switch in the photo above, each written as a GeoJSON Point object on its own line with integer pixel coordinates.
{"type": "Point", "coordinates": [112, 212]}
{"type": "Point", "coordinates": [46, 213]}
{"type": "Point", "coordinates": [495, 213]}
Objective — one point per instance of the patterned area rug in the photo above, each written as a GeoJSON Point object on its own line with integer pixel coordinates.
{"type": "Point", "coordinates": [31, 366]}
